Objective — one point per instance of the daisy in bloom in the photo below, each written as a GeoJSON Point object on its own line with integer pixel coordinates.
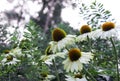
{"type": "Point", "coordinates": [76, 77]}
{"type": "Point", "coordinates": [6, 51]}
{"type": "Point", "coordinates": [49, 55]}
{"type": "Point", "coordinates": [9, 60]}
{"type": "Point", "coordinates": [75, 60]}
{"type": "Point", "coordinates": [47, 77]}
{"type": "Point", "coordinates": [10, 56]}
{"type": "Point", "coordinates": [84, 33]}
{"type": "Point", "coordinates": [61, 40]}
{"type": "Point", "coordinates": [108, 30]}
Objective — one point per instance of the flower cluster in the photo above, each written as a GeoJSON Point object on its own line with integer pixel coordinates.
{"type": "Point", "coordinates": [64, 46]}
{"type": "Point", "coordinates": [11, 56]}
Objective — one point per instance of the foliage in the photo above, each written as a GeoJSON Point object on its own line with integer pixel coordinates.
{"type": "Point", "coordinates": [30, 66]}
{"type": "Point", "coordinates": [95, 14]}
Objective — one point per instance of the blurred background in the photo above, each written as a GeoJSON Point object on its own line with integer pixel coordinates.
{"type": "Point", "coordinates": [50, 13]}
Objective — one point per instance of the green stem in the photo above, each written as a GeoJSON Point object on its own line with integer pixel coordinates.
{"type": "Point", "coordinates": [90, 75]}
{"type": "Point", "coordinates": [9, 69]}
{"type": "Point", "coordinates": [89, 43]}
{"type": "Point", "coordinates": [116, 56]}
{"type": "Point", "coordinates": [9, 77]}
{"type": "Point", "coordinates": [58, 79]}
{"type": "Point", "coordinates": [90, 47]}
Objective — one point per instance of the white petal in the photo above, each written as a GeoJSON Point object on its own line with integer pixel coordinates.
{"type": "Point", "coordinates": [80, 66]}
{"type": "Point", "coordinates": [86, 56]}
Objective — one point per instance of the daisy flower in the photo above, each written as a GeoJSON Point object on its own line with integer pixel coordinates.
{"type": "Point", "coordinates": [84, 33]}
{"type": "Point", "coordinates": [9, 60]}
{"type": "Point", "coordinates": [49, 55]}
{"type": "Point", "coordinates": [6, 51]}
{"type": "Point", "coordinates": [75, 60]}
{"type": "Point", "coordinates": [61, 40]}
{"type": "Point", "coordinates": [58, 34]}
{"type": "Point", "coordinates": [76, 77]}
{"type": "Point", "coordinates": [108, 30]}
{"type": "Point", "coordinates": [47, 77]}
{"type": "Point", "coordinates": [10, 56]}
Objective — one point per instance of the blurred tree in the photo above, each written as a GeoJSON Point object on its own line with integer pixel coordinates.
{"type": "Point", "coordinates": [52, 16]}
{"type": "Point", "coordinates": [45, 13]}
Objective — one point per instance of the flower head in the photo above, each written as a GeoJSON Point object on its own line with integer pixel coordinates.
{"type": "Point", "coordinates": [77, 77]}
{"type": "Point", "coordinates": [49, 55]}
{"type": "Point", "coordinates": [11, 56]}
{"type": "Point", "coordinates": [75, 60]}
{"type": "Point", "coordinates": [74, 54]}
{"type": "Point", "coordinates": [46, 77]}
{"type": "Point", "coordinates": [58, 34]}
{"type": "Point", "coordinates": [60, 45]}
{"type": "Point", "coordinates": [85, 32]}
{"type": "Point", "coordinates": [108, 26]}
{"type": "Point", "coordinates": [9, 59]}
{"type": "Point", "coordinates": [6, 51]}
{"type": "Point", "coordinates": [108, 30]}
{"type": "Point", "coordinates": [85, 29]}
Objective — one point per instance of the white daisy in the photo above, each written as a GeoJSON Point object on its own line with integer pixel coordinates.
{"type": "Point", "coordinates": [67, 41]}
{"type": "Point", "coordinates": [75, 78]}
{"type": "Point", "coordinates": [60, 40]}
{"type": "Point", "coordinates": [48, 58]}
{"type": "Point", "coordinates": [75, 60]}
{"type": "Point", "coordinates": [83, 37]}
{"type": "Point", "coordinates": [108, 30]}
{"type": "Point", "coordinates": [85, 32]}
{"type": "Point", "coordinates": [47, 77]}
{"type": "Point", "coordinates": [9, 60]}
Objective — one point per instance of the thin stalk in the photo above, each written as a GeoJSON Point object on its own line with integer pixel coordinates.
{"type": "Point", "coordinates": [116, 56]}
{"type": "Point", "coordinates": [89, 43]}
{"type": "Point", "coordinates": [9, 77]}
{"type": "Point", "coordinates": [90, 47]}
{"type": "Point", "coordinates": [58, 79]}
{"type": "Point", "coordinates": [9, 68]}
{"type": "Point", "coordinates": [90, 75]}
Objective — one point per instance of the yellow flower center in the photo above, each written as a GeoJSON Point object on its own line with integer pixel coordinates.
{"type": "Point", "coordinates": [9, 58]}
{"type": "Point", "coordinates": [85, 29]}
{"type": "Point", "coordinates": [78, 76]}
{"type": "Point", "coordinates": [74, 54]}
{"type": "Point", "coordinates": [6, 51]}
{"type": "Point", "coordinates": [48, 51]}
{"type": "Point", "coordinates": [58, 34]}
{"type": "Point", "coordinates": [44, 74]}
{"type": "Point", "coordinates": [108, 26]}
